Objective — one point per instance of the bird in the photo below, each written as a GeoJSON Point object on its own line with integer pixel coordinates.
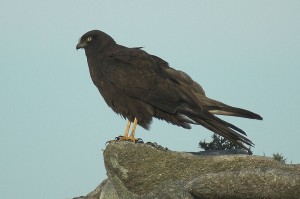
{"type": "Point", "coordinates": [140, 86]}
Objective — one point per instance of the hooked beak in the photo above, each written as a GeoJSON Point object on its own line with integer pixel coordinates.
{"type": "Point", "coordinates": [81, 45]}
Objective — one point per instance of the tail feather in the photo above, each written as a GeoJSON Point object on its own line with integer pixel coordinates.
{"type": "Point", "coordinates": [229, 125]}
{"type": "Point", "coordinates": [233, 111]}
{"type": "Point", "coordinates": [205, 116]}
{"type": "Point", "coordinates": [223, 129]}
{"type": "Point", "coordinates": [192, 114]}
{"type": "Point", "coordinates": [218, 126]}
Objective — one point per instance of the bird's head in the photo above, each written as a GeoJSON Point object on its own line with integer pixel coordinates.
{"type": "Point", "coordinates": [94, 39]}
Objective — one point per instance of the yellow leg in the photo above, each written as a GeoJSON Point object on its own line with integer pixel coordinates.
{"type": "Point", "coordinates": [127, 129]}
{"type": "Point", "coordinates": [131, 137]}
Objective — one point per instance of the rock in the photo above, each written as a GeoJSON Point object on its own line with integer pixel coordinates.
{"type": "Point", "coordinates": [105, 190]}
{"type": "Point", "coordinates": [137, 171]}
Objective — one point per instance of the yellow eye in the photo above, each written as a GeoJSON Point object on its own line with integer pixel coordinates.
{"type": "Point", "coordinates": [89, 39]}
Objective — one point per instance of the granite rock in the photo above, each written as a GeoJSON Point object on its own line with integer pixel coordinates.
{"type": "Point", "coordinates": [143, 171]}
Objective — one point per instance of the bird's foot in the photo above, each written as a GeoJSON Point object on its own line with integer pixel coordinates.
{"type": "Point", "coordinates": [128, 139]}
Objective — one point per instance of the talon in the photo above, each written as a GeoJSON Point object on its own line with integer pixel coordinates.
{"type": "Point", "coordinates": [119, 137]}
{"type": "Point", "coordinates": [125, 137]}
{"type": "Point", "coordinates": [115, 140]}
{"type": "Point", "coordinates": [139, 140]}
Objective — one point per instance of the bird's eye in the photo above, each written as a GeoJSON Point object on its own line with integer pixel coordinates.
{"type": "Point", "coordinates": [89, 39]}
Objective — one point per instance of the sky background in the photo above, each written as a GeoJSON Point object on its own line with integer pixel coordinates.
{"type": "Point", "coordinates": [54, 123]}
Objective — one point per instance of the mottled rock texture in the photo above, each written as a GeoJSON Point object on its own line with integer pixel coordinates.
{"type": "Point", "coordinates": [137, 171]}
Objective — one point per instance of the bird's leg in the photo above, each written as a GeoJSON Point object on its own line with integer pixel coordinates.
{"type": "Point", "coordinates": [127, 129]}
{"type": "Point", "coordinates": [125, 136]}
{"type": "Point", "coordinates": [131, 137]}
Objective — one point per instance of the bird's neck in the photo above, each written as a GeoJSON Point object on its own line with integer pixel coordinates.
{"type": "Point", "coordinates": [90, 53]}
{"type": "Point", "coordinates": [99, 51]}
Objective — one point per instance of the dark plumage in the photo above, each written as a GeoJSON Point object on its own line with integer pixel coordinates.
{"type": "Point", "coordinates": [138, 85]}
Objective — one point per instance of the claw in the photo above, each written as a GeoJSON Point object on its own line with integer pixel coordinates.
{"type": "Point", "coordinates": [126, 137]}
{"type": "Point", "coordinates": [123, 138]}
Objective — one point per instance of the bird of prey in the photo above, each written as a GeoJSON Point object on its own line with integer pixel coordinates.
{"type": "Point", "coordinates": [140, 86]}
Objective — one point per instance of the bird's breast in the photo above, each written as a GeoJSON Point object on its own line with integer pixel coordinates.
{"type": "Point", "coordinates": [98, 81]}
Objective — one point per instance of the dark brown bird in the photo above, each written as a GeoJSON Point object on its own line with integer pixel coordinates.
{"type": "Point", "coordinates": [140, 86]}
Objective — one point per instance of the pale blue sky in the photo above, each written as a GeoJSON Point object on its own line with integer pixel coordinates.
{"type": "Point", "coordinates": [54, 123]}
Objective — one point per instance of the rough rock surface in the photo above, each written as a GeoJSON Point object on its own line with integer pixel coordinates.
{"type": "Point", "coordinates": [137, 171]}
